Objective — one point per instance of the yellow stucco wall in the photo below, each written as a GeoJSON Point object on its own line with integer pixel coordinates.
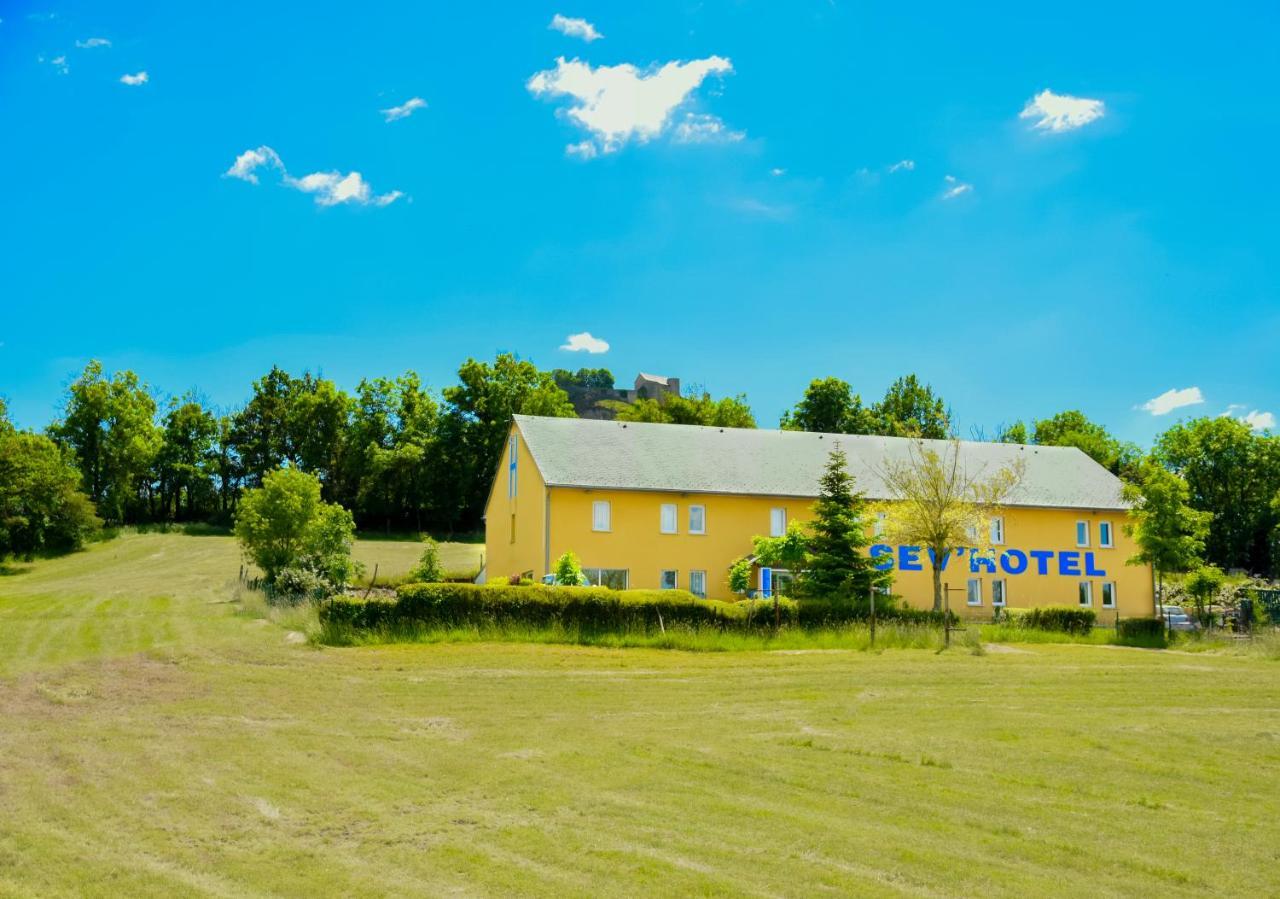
{"type": "Point", "coordinates": [636, 543]}
{"type": "Point", "coordinates": [503, 556]}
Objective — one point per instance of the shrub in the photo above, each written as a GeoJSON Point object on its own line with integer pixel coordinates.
{"type": "Point", "coordinates": [821, 613]}
{"type": "Point", "coordinates": [297, 584]}
{"type": "Point", "coordinates": [427, 571]}
{"type": "Point", "coordinates": [1140, 632]}
{"type": "Point", "coordinates": [1066, 619]}
{"type": "Point", "coordinates": [585, 608]}
{"type": "Point", "coordinates": [568, 571]}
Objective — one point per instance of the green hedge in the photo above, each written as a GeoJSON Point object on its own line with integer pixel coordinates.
{"type": "Point", "coordinates": [1065, 619]}
{"type": "Point", "coordinates": [589, 608]}
{"type": "Point", "coordinates": [1141, 631]}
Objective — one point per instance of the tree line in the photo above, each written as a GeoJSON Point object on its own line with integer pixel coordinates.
{"type": "Point", "coordinates": [401, 456]}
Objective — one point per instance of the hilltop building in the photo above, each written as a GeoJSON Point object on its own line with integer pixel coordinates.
{"type": "Point", "coordinates": [586, 398]}
{"type": "Point", "coordinates": [672, 506]}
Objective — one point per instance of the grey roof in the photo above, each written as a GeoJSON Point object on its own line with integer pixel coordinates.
{"type": "Point", "coordinates": [577, 452]}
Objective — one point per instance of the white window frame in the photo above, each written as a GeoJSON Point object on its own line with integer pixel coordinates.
{"type": "Point", "coordinates": [596, 576]}
{"type": "Point", "coordinates": [675, 579]}
{"type": "Point", "coordinates": [997, 530]}
{"type": "Point", "coordinates": [1084, 594]}
{"type": "Point", "coordinates": [776, 514]}
{"type": "Point", "coordinates": [973, 591]}
{"type": "Point", "coordinates": [669, 518]}
{"type": "Point", "coordinates": [1004, 593]}
{"type": "Point", "coordinates": [1105, 591]}
{"type": "Point", "coordinates": [698, 574]}
{"type": "Point", "coordinates": [597, 507]}
{"type": "Point", "coordinates": [1107, 528]}
{"type": "Point", "coordinates": [971, 533]}
{"type": "Point", "coordinates": [1082, 523]}
{"type": "Point", "coordinates": [882, 523]}
{"type": "Point", "coordinates": [702, 529]}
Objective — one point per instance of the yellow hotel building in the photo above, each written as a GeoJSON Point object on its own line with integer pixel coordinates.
{"type": "Point", "coordinates": [672, 506]}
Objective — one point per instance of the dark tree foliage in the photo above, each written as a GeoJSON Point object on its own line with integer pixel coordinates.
{"type": "Point", "coordinates": [1234, 474]}
{"type": "Point", "coordinates": [838, 566]}
{"type": "Point", "coordinates": [908, 409]}
{"type": "Point", "coordinates": [830, 406]}
{"type": "Point", "coordinates": [911, 409]}
{"type": "Point", "coordinates": [41, 505]}
{"type": "Point", "coordinates": [1072, 428]}
{"type": "Point", "coordinates": [585, 378]}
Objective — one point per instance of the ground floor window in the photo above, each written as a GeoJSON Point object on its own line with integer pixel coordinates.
{"type": "Point", "coordinates": [974, 592]}
{"type": "Point", "coordinates": [669, 580]}
{"type": "Point", "coordinates": [613, 578]}
{"type": "Point", "coordinates": [1109, 595]}
{"type": "Point", "coordinates": [998, 593]}
{"type": "Point", "coordinates": [1086, 593]}
{"type": "Point", "coordinates": [698, 583]}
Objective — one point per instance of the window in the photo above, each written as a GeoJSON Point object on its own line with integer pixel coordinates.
{"type": "Point", "coordinates": [882, 521]}
{"type": "Point", "coordinates": [1082, 533]}
{"type": "Point", "coordinates": [971, 532]}
{"type": "Point", "coordinates": [1086, 593]}
{"type": "Point", "coordinates": [698, 583]}
{"type": "Point", "coordinates": [975, 591]}
{"type": "Point", "coordinates": [669, 580]}
{"type": "Point", "coordinates": [511, 467]}
{"type": "Point", "coordinates": [997, 593]}
{"type": "Point", "coordinates": [613, 578]}
{"type": "Point", "coordinates": [997, 531]}
{"type": "Point", "coordinates": [697, 519]}
{"type": "Point", "coordinates": [1108, 594]}
{"type": "Point", "coordinates": [777, 522]}
{"type": "Point", "coordinates": [600, 515]}
{"type": "Point", "coordinates": [667, 522]}
{"type": "Point", "coordinates": [1104, 534]}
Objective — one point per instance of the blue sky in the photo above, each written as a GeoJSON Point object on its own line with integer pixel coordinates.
{"type": "Point", "coordinates": [734, 218]}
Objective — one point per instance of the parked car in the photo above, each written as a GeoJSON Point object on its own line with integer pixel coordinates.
{"type": "Point", "coordinates": [1178, 620]}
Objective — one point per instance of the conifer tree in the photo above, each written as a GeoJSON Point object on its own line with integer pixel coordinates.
{"type": "Point", "coordinates": [838, 565]}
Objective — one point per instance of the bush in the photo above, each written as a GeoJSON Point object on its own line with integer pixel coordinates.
{"type": "Point", "coordinates": [427, 571]}
{"type": "Point", "coordinates": [584, 608]}
{"type": "Point", "coordinates": [1140, 632]}
{"type": "Point", "coordinates": [1065, 619]}
{"type": "Point", "coordinates": [298, 584]}
{"type": "Point", "coordinates": [821, 613]}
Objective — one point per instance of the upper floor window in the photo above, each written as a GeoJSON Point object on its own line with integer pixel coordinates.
{"type": "Point", "coordinates": [1105, 538]}
{"type": "Point", "coordinates": [882, 521]}
{"type": "Point", "coordinates": [667, 518]}
{"type": "Point", "coordinates": [601, 515]}
{"type": "Point", "coordinates": [997, 531]}
{"type": "Point", "coordinates": [777, 522]}
{"type": "Point", "coordinates": [1082, 533]}
{"type": "Point", "coordinates": [697, 519]}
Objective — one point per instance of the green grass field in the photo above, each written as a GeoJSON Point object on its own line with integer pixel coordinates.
{"type": "Point", "coordinates": [157, 740]}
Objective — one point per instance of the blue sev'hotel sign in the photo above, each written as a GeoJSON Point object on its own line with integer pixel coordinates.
{"type": "Point", "coordinates": [1068, 563]}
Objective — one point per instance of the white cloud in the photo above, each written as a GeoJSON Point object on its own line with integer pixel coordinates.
{"type": "Point", "coordinates": [620, 103]}
{"type": "Point", "coordinates": [584, 342]}
{"type": "Point", "coordinates": [575, 28]}
{"type": "Point", "coordinates": [906, 165]}
{"type": "Point", "coordinates": [333, 188]}
{"type": "Point", "coordinates": [1058, 112]}
{"type": "Point", "coordinates": [93, 42]}
{"type": "Point", "coordinates": [404, 110]}
{"type": "Point", "coordinates": [246, 162]}
{"type": "Point", "coordinates": [329, 188]}
{"type": "Point", "coordinates": [583, 149]}
{"type": "Point", "coordinates": [58, 62]}
{"type": "Point", "coordinates": [700, 128]}
{"type": "Point", "coordinates": [140, 78]}
{"type": "Point", "coordinates": [1171, 399]}
{"type": "Point", "coordinates": [777, 173]}
{"type": "Point", "coordinates": [955, 188]}
{"type": "Point", "coordinates": [1259, 421]}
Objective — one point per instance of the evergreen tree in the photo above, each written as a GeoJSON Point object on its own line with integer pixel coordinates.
{"type": "Point", "coordinates": [838, 566]}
